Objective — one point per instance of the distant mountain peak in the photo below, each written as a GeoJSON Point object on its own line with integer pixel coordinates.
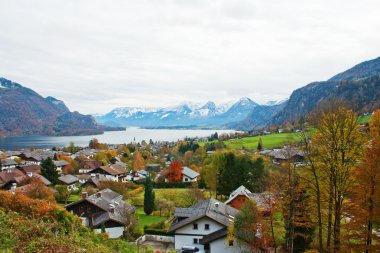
{"type": "Point", "coordinates": [5, 83]}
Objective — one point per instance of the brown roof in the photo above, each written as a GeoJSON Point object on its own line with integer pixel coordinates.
{"type": "Point", "coordinates": [11, 175]}
{"type": "Point", "coordinates": [90, 164]}
{"type": "Point", "coordinates": [31, 168]}
{"type": "Point", "coordinates": [114, 169]}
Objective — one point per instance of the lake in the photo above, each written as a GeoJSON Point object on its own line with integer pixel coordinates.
{"type": "Point", "coordinates": [115, 137]}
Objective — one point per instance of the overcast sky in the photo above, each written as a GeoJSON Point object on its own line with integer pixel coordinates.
{"type": "Point", "coordinates": [96, 55]}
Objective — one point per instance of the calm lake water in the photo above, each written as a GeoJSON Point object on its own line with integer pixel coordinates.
{"type": "Point", "coordinates": [116, 137]}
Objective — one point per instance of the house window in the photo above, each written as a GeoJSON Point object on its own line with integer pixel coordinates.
{"type": "Point", "coordinates": [195, 240]}
{"type": "Point", "coordinates": [207, 226]}
{"type": "Point", "coordinates": [186, 179]}
{"type": "Point", "coordinates": [195, 226]}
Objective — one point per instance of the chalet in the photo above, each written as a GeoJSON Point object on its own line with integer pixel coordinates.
{"type": "Point", "coordinates": [204, 225]}
{"type": "Point", "coordinates": [9, 177]}
{"type": "Point", "coordinates": [189, 175]}
{"type": "Point", "coordinates": [287, 154]}
{"type": "Point", "coordinates": [16, 177]}
{"type": "Point", "coordinates": [238, 197]}
{"type": "Point", "coordinates": [70, 181]}
{"type": "Point", "coordinates": [35, 157]}
{"type": "Point", "coordinates": [87, 166]}
{"type": "Point", "coordinates": [104, 210]}
{"type": "Point", "coordinates": [136, 176]}
{"type": "Point", "coordinates": [95, 181]}
{"type": "Point", "coordinates": [60, 164]}
{"type": "Point", "coordinates": [113, 172]}
{"type": "Point", "coordinates": [8, 164]}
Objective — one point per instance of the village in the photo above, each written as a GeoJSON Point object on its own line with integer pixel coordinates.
{"type": "Point", "coordinates": [104, 186]}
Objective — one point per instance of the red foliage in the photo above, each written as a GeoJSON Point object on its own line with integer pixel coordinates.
{"type": "Point", "coordinates": [174, 173]}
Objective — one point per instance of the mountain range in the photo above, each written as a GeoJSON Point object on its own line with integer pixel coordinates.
{"type": "Point", "coordinates": [358, 85]}
{"type": "Point", "coordinates": [25, 112]}
{"type": "Point", "coordinates": [186, 114]}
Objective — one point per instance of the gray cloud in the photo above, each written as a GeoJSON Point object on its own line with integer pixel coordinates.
{"type": "Point", "coordinates": [96, 54]}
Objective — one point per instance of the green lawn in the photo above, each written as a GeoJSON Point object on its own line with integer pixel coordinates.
{"type": "Point", "coordinates": [144, 220]}
{"type": "Point", "coordinates": [269, 141]}
{"type": "Point", "coordinates": [178, 196]}
{"type": "Point", "coordinates": [364, 119]}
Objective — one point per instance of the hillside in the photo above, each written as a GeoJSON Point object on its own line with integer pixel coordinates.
{"type": "Point", "coordinates": [29, 225]}
{"type": "Point", "coordinates": [25, 112]}
{"type": "Point", "coordinates": [359, 86]}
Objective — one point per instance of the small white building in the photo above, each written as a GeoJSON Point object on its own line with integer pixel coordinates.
{"type": "Point", "coordinates": [189, 175]}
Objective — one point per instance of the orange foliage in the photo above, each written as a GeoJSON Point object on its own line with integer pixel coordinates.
{"type": "Point", "coordinates": [138, 161]}
{"type": "Point", "coordinates": [32, 208]}
{"type": "Point", "coordinates": [68, 169]}
{"type": "Point", "coordinates": [36, 189]}
{"type": "Point", "coordinates": [174, 173]}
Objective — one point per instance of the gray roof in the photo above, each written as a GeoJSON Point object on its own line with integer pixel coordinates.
{"type": "Point", "coordinates": [61, 163]}
{"type": "Point", "coordinates": [189, 172]}
{"type": "Point", "coordinates": [68, 179]}
{"type": "Point", "coordinates": [286, 153]}
{"type": "Point", "coordinates": [103, 199]}
{"type": "Point", "coordinates": [211, 208]}
{"type": "Point", "coordinates": [8, 162]}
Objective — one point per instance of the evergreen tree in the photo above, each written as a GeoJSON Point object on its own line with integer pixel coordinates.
{"type": "Point", "coordinates": [55, 158]}
{"type": "Point", "coordinates": [149, 197]}
{"type": "Point", "coordinates": [260, 145]}
{"type": "Point", "coordinates": [49, 171]}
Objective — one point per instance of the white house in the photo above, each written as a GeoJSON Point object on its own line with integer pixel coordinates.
{"type": "Point", "coordinates": [60, 164]}
{"type": "Point", "coordinates": [70, 181]}
{"type": "Point", "coordinates": [189, 175]}
{"type": "Point", "coordinates": [204, 226]}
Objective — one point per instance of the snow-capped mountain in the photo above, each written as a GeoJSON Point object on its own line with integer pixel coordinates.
{"type": "Point", "coordinates": [185, 114]}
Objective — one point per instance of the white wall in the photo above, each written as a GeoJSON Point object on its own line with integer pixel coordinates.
{"type": "Point", "coordinates": [188, 179]}
{"type": "Point", "coordinates": [221, 246]}
{"type": "Point", "coordinates": [114, 232]}
{"type": "Point", "coordinates": [189, 233]}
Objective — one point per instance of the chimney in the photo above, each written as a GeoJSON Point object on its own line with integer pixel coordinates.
{"type": "Point", "coordinates": [217, 205]}
{"type": "Point", "coordinates": [30, 174]}
{"type": "Point", "coordinates": [111, 208]}
{"type": "Point", "coordinates": [97, 175]}
{"type": "Point", "coordinates": [84, 195]}
{"type": "Point", "coordinates": [99, 194]}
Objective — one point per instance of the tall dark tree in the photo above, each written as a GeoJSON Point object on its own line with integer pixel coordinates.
{"type": "Point", "coordinates": [55, 158]}
{"type": "Point", "coordinates": [149, 197]}
{"type": "Point", "coordinates": [49, 171]}
{"type": "Point", "coordinates": [260, 145]}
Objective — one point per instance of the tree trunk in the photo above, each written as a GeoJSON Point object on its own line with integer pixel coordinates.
{"type": "Point", "coordinates": [338, 214]}
{"type": "Point", "coordinates": [329, 218]}
{"type": "Point", "coordinates": [370, 216]}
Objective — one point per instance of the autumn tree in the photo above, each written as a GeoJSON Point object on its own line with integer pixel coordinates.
{"type": "Point", "coordinates": [174, 172]}
{"type": "Point", "coordinates": [138, 161]}
{"type": "Point", "coordinates": [366, 194]}
{"type": "Point", "coordinates": [94, 143]}
{"type": "Point", "coordinates": [337, 146]}
{"type": "Point", "coordinates": [36, 189]}
{"type": "Point", "coordinates": [62, 194]}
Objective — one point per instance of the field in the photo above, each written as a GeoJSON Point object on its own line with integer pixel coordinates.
{"type": "Point", "coordinates": [145, 220]}
{"type": "Point", "coordinates": [269, 141]}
